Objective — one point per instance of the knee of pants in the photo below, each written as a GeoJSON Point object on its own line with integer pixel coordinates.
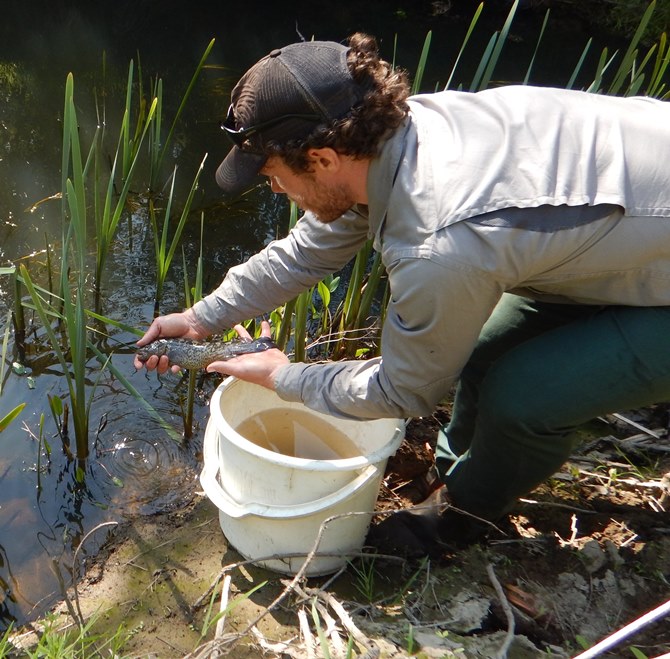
{"type": "Point", "coordinates": [515, 410]}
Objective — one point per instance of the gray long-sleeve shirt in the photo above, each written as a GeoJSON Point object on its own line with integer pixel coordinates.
{"type": "Point", "coordinates": [442, 195]}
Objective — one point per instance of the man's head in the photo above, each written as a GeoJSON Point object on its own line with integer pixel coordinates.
{"type": "Point", "coordinates": [311, 95]}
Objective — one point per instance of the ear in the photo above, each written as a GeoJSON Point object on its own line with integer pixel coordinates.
{"type": "Point", "coordinates": [325, 159]}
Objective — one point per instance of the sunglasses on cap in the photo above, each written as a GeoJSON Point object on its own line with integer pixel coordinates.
{"type": "Point", "coordinates": [240, 135]}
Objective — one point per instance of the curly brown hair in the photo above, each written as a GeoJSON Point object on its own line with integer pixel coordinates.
{"type": "Point", "coordinates": [361, 133]}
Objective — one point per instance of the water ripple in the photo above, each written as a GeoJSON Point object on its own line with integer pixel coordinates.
{"type": "Point", "coordinates": [148, 476]}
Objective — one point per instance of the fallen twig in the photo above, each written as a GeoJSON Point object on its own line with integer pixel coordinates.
{"type": "Point", "coordinates": [274, 557]}
{"type": "Point", "coordinates": [504, 648]}
{"type": "Point", "coordinates": [345, 618]}
{"type": "Point", "coordinates": [225, 592]}
{"type": "Point", "coordinates": [225, 644]}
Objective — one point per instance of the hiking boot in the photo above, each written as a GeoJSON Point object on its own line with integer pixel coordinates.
{"type": "Point", "coordinates": [428, 529]}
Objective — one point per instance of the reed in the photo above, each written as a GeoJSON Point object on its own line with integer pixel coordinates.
{"type": "Point", "coordinates": [163, 247]}
{"type": "Point", "coordinates": [110, 206]}
{"type": "Point", "coordinates": [158, 148]}
{"type": "Point", "coordinates": [10, 416]}
{"type": "Point", "coordinates": [192, 295]}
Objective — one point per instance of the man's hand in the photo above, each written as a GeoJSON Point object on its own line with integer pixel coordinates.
{"type": "Point", "coordinates": [175, 325]}
{"type": "Point", "coordinates": [258, 367]}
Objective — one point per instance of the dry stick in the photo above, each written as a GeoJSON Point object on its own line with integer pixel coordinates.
{"type": "Point", "coordinates": [331, 629]}
{"type": "Point", "coordinates": [307, 638]}
{"type": "Point", "coordinates": [617, 637]}
{"type": "Point", "coordinates": [310, 556]}
{"type": "Point", "coordinates": [346, 619]}
{"type": "Point", "coordinates": [317, 595]}
{"type": "Point", "coordinates": [225, 592]}
{"type": "Point", "coordinates": [282, 648]}
{"type": "Point", "coordinates": [74, 562]}
{"type": "Point", "coordinates": [217, 643]}
{"type": "Point", "coordinates": [502, 653]}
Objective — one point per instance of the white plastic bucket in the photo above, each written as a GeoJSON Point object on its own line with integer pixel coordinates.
{"type": "Point", "coordinates": [271, 504]}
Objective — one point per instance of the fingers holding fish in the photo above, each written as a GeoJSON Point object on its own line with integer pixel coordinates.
{"type": "Point", "coordinates": [182, 325]}
{"type": "Point", "coordinates": [257, 367]}
{"type": "Point", "coordinates": [266, 331]}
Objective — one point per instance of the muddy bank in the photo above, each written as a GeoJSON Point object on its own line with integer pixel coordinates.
{"type": "Point", "coordinates": [587, 553]}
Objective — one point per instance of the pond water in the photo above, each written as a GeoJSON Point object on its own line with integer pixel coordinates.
{"type": "Point", "coordinates": [135, 466]}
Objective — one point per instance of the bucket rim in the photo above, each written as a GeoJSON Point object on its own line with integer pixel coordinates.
{"type": "Point", "coordinates": [306, 464]}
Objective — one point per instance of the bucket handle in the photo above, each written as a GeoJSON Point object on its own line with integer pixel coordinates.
{"type": "Point", "coordinates": [222, 500]}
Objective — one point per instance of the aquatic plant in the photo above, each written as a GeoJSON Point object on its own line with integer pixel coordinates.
{"type": "Point", "coordinates": [164, 252]}
{"type": "Point", "coordinates": [10, 416]}
{"type": "Point", "coordinates": [192, 295]}
{"type": "Point", "coordinates": [109, 205]}
{"type": "Point", "coordinates": [158, 146]}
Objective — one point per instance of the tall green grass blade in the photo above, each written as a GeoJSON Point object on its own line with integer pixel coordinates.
{"type": "Point", "coordinates": [468, 34]}
{"type": "Point", "coordinates": [302, 305]}
{"type": "Point", "coordinates": [10, 416]}
{"type": "Point", "coordinates": [283, 333]}
{"type": "Point", "coordinates": [656, 85]}
{"type": "Point", "coordinates": [190, 300]}
{"type": "Point", "coordinates": [370, 291]}
{"type": "Point", "coordinates": [51, 335]}
{"type": "Point", "coordinates": [418, 77]}
{"type": "Point", "coordinates": [164, 253]}
{"type": "Point", "coordinates": [602, 66]}
{"type": "Point", "coordinates": [637, 74]}
{"type": "Point", "coordinates": [5, 343]}
{"type": "Point", "coordinates": [323, 639]}
{"type": "Point", "coordinates": [628, 62]}
{"type": "Point", "coordinates": [579, 65]}
{"type": "Point", "coordinates": [126, 141]}
{"type": "Point", "coordinates": [115, 323]}
{"type": "Point", "coordinates": [75, 318]}
{"type": "Point", "coordinates": [537, 47]}
{"type": "Point", "coordinates": [500, 42]}
{"type": "Point", "coordinates": [110, 218]}
{"type": "Point", "coordinates": [155, 166]}
{"type": "Point", "coordinates": [286, 313]}
{"type": "Point", "coordinates": [476, 85]}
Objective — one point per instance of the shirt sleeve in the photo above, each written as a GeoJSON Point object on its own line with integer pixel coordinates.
{"type": "Point", "coordinates": [282, 270]}
{"type": "Point", "coordinates": [433, 321]}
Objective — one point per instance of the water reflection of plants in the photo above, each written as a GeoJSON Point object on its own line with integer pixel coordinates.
{"type": "Point", "coordinates": [351, 329]}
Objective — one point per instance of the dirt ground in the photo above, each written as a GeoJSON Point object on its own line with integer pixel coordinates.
{"type": "Point", "coordinates": [583, 556]}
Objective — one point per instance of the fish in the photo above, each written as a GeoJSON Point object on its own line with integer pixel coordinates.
{"type": "Point", "coordinates": [199, 354]}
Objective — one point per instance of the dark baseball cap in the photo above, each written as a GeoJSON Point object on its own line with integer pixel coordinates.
{"type": "Point", "coordinates": [284, 97]}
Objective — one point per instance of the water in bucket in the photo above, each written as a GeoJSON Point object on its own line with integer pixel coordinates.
{"type": "Point", "coordinates": [298, 434]}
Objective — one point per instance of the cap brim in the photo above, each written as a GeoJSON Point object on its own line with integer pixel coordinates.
{"type": "Point", "coordinates": [238, 170]}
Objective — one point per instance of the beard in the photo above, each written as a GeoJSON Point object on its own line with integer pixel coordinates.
{"type": "Point", "coordinates": [327, 204]}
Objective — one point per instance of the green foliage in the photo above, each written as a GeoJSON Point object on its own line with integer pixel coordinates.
{"type": "Point", "coordinates": [623, 16]}
{"type": "Point", "coordinates": [10, 416]}
{"type": "Point", "coordinates": [365, 578]}
{"type": "Point", "coordinates": [78, 642]}
{"type": "Point", "coordinates": [192, 295]}
{"type": "Point", "coordinates": [164, 252]}
{"type": "Point", "coordinates": [210, 620]}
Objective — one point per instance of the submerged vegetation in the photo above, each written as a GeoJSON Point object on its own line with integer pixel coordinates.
{"type": "Point", "coordinates": [63, 310]}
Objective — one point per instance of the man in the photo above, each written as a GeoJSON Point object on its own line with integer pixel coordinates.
{"type": "Point", "coordinates": [526, 237]}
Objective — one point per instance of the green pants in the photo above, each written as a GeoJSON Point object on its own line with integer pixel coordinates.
{"type": "Point", "coordinates": [539, 371]}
